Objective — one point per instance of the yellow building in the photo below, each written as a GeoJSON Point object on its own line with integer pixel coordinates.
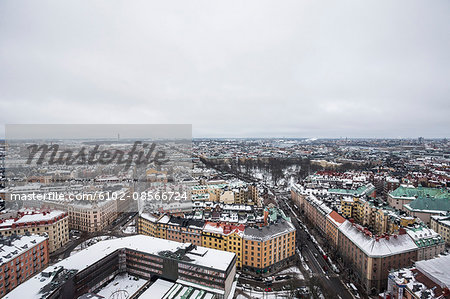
{"type": "Point", "coordinates": [258, 249]}
{"type": "Point", "coordinates": [269, 247]}
{"type": "Point", "coordinates": [224, 237]}
{"type": "Point", "coordinates": [380, 219]}
{"type": "Point", "coordinates": [148, 225]}
{"type": "Point", "coordinates": [441, 225]}
{"type": "Point", "coordinates": [227, 193]}
{"type": "Point", "coordinates": [381, 224]}
{"type": "Point", "coordinates": [234, 244]}
{"type": "Point", "coordinates": [347, 204]}
{"type": "Point", "coordinates": [212, 236]}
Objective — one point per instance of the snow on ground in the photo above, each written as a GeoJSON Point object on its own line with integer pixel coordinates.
{"type": "Point", "coordinates": [268, 295]}
{"type": "Point", "coordinates": [90, 242]}
{"type": "Point", "coordinates": [333, 266]}
{"type": "Point", "coordinates": [125, 282]}
{"type": "Point", "coordinates": [304, 264]}
{"type": "Point", "coordinates": [293, 271]}
{"type": "Point", "coordinates": [131, 229]}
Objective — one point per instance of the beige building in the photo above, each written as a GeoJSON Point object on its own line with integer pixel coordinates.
{"type": "Point", "coordinates": [92, 217]}
{"type": "Point", "coordinates": [441, 225]}
{"type": "Point", "coordinates": [89, 215]}
{"type": "Point", "coordinates": [227, 193]}
{"type": "Point", "coordinates": [55, 224]}
{"type": "Point", "coordinates": [371, 258]}
{"type": "Point", "coordinates": [430, 244]}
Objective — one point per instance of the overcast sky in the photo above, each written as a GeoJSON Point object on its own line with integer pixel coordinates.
{"type": "Point", "coordinates": [230, 68]}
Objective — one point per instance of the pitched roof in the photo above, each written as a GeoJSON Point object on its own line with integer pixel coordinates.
{"type": "Point", "coordinates": [429, 204]}
{"type": "Point", "coordinates": [419, 192]}
{"type": "Point", "coordinates": [380, 247]}
{"type": "Point", "coordinates": [336, 218]}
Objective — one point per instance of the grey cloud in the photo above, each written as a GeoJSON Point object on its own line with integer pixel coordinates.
{"type": "Point", "coordinates": [234, 68]}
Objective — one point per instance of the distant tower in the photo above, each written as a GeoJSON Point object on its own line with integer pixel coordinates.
{"type": "Point", "coordinates": [420, 140]}
{"type": "Point", "coordinates": [118, 136]}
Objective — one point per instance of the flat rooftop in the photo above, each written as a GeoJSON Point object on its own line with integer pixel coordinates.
{"type": "Point", "coordinates": [205, 257]}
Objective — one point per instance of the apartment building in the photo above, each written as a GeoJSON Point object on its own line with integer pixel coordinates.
{"type": "Point", "coordinates": [88, 215]}
{"type": "Point", "coordinates": [424, 207]}
{"type": "Point", "coordinates": [347, 204]}
{"type": "Point", "coordinates": [55, 224]}
{"type": "Point", "coordinates": [371, 258]}
{"type": "Point", "coordinates": [142, 256]}
{"type": "Point", "coordinates": [278, 236]}
{"type": "Point", "coordinates": [185, 230]}
{"type": "Point", "coordinates": [441, 225]}
{"type": "Point", "coordinates": [147, 225]}
{"type": "Point", "coordinates": [379, 218]}
{"type": "Point", "coordinates": [20, 258]}
{"type": "Point", "coordinates": [92, 217]}
{"type": "Point", "coordinates": [428, 241]}
{"type": "Point", "coordinates": [406, 194]}
{"type": "Point", "coordinates": [228, 193]}
{"type": "Point", "coordinates": [172, 228]}
{"type": "Point", "coordinates": [426, 279]}
{"type": "Point", "coordinates": [226, 237]}
{"type": "Point", "coordinates": [268, 248]}
{"type": "Point", "coordinates": [365, 190]}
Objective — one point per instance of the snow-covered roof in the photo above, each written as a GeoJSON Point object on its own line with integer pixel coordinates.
{"type": "Point", "coordinates": [18, 246]}
{"type": "Point", "coordinates": [32, 216]}
{"type": "Point", "coordinates": [377, 248]}
{"type": "Point", "coordinates": [437, 269]}
{"type": "Point", "coordinates": [216, 259]}
{"type": "Point", "coordinates": [158, 289]}
{"type": "Point", "coordinates": [164, 219]}
{"type": "Point", "coordinates": [268, 232]}
{"type": "Point", "coordinates": [212, 258]}
{"type": "Point", "coordinates": [149, 217]}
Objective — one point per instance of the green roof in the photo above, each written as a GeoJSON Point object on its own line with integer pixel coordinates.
{"type": "Point", "coordinates": [430, 203]}
{"type": "Point", "coordinates": [358, 192]}
{"type": "Point", "coordinates": [274, 212]}
{"type": "Point", "coordinates": [419, 192]}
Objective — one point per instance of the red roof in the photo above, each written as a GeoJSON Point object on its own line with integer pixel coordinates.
{"type": "Point", "coordinates": [336, 217]}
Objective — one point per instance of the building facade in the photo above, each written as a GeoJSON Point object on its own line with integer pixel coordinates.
{"type": "Point", "coordinates": [20, 258]}
{"type": "Point", "coordinates": [441, 225]}
{"type": "Point", "coordinates": [55, 224]}
{"type": "Point", "coordinates": [142, 256]}
{"type": "Point", "coordinates": [92, 217]}
{"type": "Point", "coordinates": [268, 247]}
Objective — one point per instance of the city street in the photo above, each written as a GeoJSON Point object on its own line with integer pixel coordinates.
{"type": "Point", "coordinates": [331, 281]}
